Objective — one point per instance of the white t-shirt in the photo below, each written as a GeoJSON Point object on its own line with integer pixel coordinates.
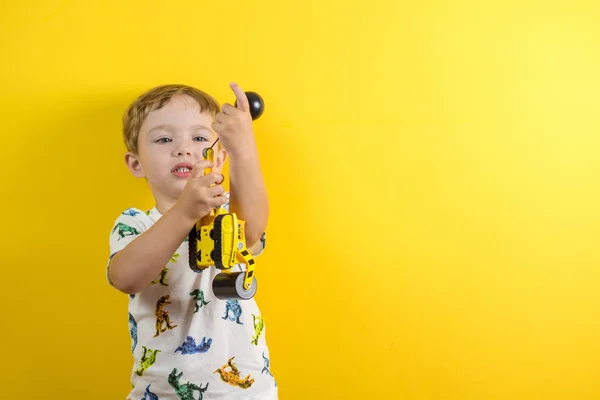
{"type": "Point", "coordinates": [186, 343]}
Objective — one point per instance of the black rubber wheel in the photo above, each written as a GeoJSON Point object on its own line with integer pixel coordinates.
{"type": "Point", "coordinates": [217, 253]}
{"type": "Point", "coordinates": [231, 286]}
{"type": "Point", "coordinates": [193, 251]}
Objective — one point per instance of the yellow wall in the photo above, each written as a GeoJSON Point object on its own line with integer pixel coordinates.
{"type": "Point", "coordinates": [458, 140]}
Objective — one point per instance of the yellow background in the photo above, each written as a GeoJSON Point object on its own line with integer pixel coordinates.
{"type": "Point", "coordinates": [433, 170]}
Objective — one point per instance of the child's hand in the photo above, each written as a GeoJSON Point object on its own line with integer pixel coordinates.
{"type": "Point", "coordinates": [199, 197]}
{"type": "Point", "coordinates": [234, 125]}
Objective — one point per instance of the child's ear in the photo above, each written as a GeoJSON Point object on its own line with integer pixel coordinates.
{"type": "Point", "coordinates": [134, 165]}
{"type": "Point", "coordinates": [220, 157]}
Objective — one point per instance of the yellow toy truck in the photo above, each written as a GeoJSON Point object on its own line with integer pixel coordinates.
{"type": "Point", "coordinates": [219, 239]}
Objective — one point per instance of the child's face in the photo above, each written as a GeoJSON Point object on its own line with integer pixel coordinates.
{"type": "Point", "coordinates": [170, 142]}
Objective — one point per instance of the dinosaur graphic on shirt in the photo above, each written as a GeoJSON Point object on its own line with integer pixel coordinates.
{"type": "Point", "coordinates": [162, 316]}
{"type": "Point", "coordinates": [198, 296]}
{"type": "Point", "coordinates": [185, 391]}
{"type": "Point", "coordinates": [124, 230]}
{"type": "Point", "coordinates": [189, 346]}
{"type": "Point", "coordinates": [133, 332]}
{"type": "Point", "coordinates": [235, 308]}
{"type": "Point", "coordinates": [263, 240]}
{"type": "Point", "coordinates": [259, 325]}
{"type": "Point", "coordinates": [132, 212]}
{"type": "Point", "coordinates": [146, 362]}
{"type": "Point", "coordinates": [232, 377]}
{"type": "Point", "coordinates": [266, 367]}
{"type": "Point", "coordinates": [162, 278]}
{"type": "Point", "coordinates": [148, 395]}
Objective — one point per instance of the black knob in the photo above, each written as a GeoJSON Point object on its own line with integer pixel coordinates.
{"type": "Point", "coordinates": [257, 105]}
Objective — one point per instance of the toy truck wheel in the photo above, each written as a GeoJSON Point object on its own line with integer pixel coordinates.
{"type": "Point", "coordinates": [231, 286]}
{"type": "Point", "coordinates": [193, 250]}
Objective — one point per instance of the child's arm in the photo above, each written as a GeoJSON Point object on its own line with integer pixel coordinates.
{"type": "Point", "coordinates": [136, 264]}
{"type": "Point", "coordinates": [248, 194]}
{"type": "Point", "coordinates": [141, 261]}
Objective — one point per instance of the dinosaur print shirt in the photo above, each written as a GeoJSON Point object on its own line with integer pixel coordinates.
{"type": "Point", "coordinates": [186, 343]}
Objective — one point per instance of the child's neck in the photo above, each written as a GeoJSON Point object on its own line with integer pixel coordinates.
{"type": "Point", "coordinates": [163, 204]}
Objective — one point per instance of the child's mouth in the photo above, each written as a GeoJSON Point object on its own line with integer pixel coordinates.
{"type": "Point", "coordinates": [182, 171]}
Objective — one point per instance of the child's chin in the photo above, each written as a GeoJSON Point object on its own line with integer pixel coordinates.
{"type": "Point", "coordinates": [174, 191]}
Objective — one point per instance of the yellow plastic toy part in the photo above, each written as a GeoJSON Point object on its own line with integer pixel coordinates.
{"type": "Point", "coordinates": [230, 245]}
{"type": "Point", "coordinates": [219, 239]}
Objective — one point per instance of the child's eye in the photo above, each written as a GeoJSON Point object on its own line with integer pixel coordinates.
{"type": "Point", "coordinates": [163, 140]}
{"type": "Point", "coordinates": [200, 139]}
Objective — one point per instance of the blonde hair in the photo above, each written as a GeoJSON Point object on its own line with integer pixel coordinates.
{"type": "Point", "coordinates": [155, 99]}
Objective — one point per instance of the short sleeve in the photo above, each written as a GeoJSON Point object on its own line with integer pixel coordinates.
{"type": "Point", "coordinates": [259, 246]}
{"type": "Point", "coordinates": [128, 226]}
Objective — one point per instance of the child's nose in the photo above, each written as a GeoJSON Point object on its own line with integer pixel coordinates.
{"type": "Point", "coordinates": [183, 151]}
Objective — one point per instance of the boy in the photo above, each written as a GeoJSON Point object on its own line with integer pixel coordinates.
{"type": "Point", "coordinates": [186, 343]}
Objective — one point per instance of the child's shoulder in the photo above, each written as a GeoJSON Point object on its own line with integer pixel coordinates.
{"type": "Point", "coordinates": [134, 211]}
{"type": "Point", "coordinates": [133, 217]}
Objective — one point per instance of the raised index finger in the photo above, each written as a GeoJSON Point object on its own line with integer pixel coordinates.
{"type": "Point", "coordinates": [242, 100]}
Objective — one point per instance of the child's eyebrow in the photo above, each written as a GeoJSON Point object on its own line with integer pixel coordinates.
{"type": "Point", "coordinates": [170, 128]}
{"type": "Point", "coordinates": [200, 127]}
{"type": "Point", "coordinates": [162, 127]}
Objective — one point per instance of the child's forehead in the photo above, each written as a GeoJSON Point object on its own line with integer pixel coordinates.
{"type": "Point", "coordinates": [180, 111]}
{"type": "Point", "coordinates": [179, 104]}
